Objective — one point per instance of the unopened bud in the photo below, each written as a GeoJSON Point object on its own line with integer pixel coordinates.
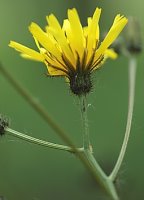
{"type": "Point", "coordinates": [117, 45]}
{"type": "Point", "coordinates": [4, 123]}
{"type": "Point", "coordinates": [132, 36]}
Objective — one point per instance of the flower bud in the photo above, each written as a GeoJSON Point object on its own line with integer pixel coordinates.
{"type": "Point", "coordinates": [132, 36]}
{"type": "Point", "coordinates": [118, 45]}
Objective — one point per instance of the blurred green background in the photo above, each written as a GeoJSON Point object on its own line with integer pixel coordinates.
{"type": "Point", "coordinates": [30, 172]}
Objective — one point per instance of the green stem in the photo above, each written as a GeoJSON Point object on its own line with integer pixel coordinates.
{"type": "Point", "coordinates": [100, 175]}
{"type": "Point", "coordinates": [39, 142]}
{"type": "Point", "coordinates": [88, 160]}
{"type": "Point", "coordinates": [86, 139]}
{"type": "Point", "coordinates": [132, 76]}
{"type": "Point", "coordinates": [102, 178]}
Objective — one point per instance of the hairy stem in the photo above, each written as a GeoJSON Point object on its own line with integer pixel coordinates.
{"type": "Point", "coordinates": [39, 142]}
{"type": "Point", "coordinates": [102, 178]}
{"type": "Point", "coordinates": [86, 139]}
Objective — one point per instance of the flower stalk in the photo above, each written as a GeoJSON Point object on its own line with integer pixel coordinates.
{"type": "Point", "coordinates": [101, 177]}
{"type": "Point", "coordinates": [132, 75]}
{"type": "Point", "coordinates": [86, 137]}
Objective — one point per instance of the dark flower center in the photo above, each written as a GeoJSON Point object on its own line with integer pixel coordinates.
{"type": "Point", "coordinates": [80, 83]}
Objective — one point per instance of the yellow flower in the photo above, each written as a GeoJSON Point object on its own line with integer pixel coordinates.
{"type": "Point", "coordinates": [72, 51]}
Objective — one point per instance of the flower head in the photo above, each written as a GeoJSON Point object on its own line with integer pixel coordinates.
{"type": "Point", "coordinates": [72, 51]}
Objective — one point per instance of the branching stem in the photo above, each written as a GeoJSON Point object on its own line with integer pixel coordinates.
{"type": "Point", "coordinates": [85, 155]}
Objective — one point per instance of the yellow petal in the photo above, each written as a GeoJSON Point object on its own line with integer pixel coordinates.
{"type": "Point", "coordinates": [93, 32]}
{"type": "Point", "coordinates": [117, 27]}
{"type": "Point", "coordinates": [110, 53]}
{"type": "Point", "coordinates": [45, 40]}
{"type": "Point", "coordinates": [37, 43]}
{"type": "Point", "coordinates": [55, 29]}
{"type": "Point", "coordinates": [54, 62]}
{"type": "Point", "coordinates": [27, 52]}
{"type": "Point", "coordinates": [85, 31]}
{"type": "Point", "coordinates": [67, 29]}
{"type": "Point", "coordinates": [70, 39]}
{"type": "Point", "coordinates": [54, 72]}
{"type": "Point", "coordinates": [77, 37]}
